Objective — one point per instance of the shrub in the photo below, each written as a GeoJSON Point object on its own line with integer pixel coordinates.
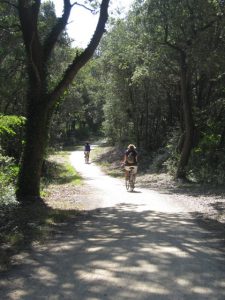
{"type": "Point", "coordinates": [8, 175]}
{"type": "Point", "coordinates": [11, 132]}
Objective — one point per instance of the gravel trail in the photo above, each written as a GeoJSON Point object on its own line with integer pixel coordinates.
{"type": "Point", "coordinates": [139, 245]}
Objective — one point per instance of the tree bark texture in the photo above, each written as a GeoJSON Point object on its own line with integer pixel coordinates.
{"type": "Point", "coordinates": [36, 139]}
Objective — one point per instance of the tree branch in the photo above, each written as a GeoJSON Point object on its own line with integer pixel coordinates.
{"type": "Point", "coordinates": [166, 42]}
{"type": "Point", "coordinates": [81, 59]}
{"type": "Point", "coordinates": [28, 15]}
{"type": "Point", "coordinates": [52, 38]}
{"type": "Point", "coordinates": [84, 6]}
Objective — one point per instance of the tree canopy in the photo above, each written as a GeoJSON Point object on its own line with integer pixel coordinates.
{"type": "Point", "coordinates": [156, 80]}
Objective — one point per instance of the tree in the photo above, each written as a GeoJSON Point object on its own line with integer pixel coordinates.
{"type": "Point", "coordinates": [164, 85]}
{"type": "Point", "coordinates": [79, 115]}
{"type": "Point", "coordinates": [183, 26]}
{"type": "Point", "coordinates": [41, 96]}
{"type": "Point", "coordinates": [136, 106]}
{"type": "Point", "coordinates": [12, 81]}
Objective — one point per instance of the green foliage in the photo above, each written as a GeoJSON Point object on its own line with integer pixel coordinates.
{"type": "Point", "coordinates": [11, 135]}
{"type": "Point", "coordinates": [141, 68]}
{"type": "Point", "coordinates": [134, 95]}
{"type": "Point", "coordinates": [12, 66]}
{"type": "Point", "coordinates": [80, 114]}
{"type": "Point", "coordinates": [208, 167]}
{"type": "Point", "coordinates": [59, 172]}
{"type": "Point", "coordinates": [8, 175]}
{"type": "Point", "coordinates": [207, 162]}
{"type": "Point", "coordinates": [8, 124]}
{"type": "Point", "coordinates": [8, 169]}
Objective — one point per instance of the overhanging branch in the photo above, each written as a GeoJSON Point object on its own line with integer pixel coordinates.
{"type": "Point", "coordinates": [81, 59]}
{"type": "Point", "coordinates": [52, 38]}
{"type": "Point", "coordinates": [84, 6]}
{"type": "Point", "coordinates": [28, 15]}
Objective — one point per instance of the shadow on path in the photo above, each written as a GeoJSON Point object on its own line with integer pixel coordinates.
{"type": "Point", "coordinates": [122, 253]}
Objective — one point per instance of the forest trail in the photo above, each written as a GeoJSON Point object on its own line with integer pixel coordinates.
{"type": "Point", "coordinates": [129, 246]}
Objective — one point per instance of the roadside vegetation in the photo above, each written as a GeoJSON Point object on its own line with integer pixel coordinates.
{"type": "Point", "coordinates": [20, 226]}
{"type": "Point", "coordinates": [152, 173]}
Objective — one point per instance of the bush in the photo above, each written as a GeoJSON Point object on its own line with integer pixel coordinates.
{"type": "Point", "coordinates": [8, 175]}
{"type": "Point", "coordinates": [11, 132]}
{"type": "Point", "coordinates": [208, 166]}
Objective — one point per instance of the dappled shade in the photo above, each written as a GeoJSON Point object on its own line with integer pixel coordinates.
{"type": "Point", "coordinates": [117, 253]}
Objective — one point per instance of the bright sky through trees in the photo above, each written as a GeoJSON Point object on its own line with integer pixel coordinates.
{"type": "Point", "coordinates": [82, 22]}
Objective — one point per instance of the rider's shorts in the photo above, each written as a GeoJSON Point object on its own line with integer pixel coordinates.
{"type": "Point", "coordinates": [134, 168]}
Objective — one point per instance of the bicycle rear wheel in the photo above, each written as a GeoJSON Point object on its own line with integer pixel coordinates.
{"type": "Point", "coordinates": [131, 183]}
{"type": "Point", "coordinates": [86, 158]}
{"type": "Point", "coordinates": [127, 184]}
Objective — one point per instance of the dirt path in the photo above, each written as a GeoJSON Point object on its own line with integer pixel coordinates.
{"type": "Point", "coordinates": [130, 246]}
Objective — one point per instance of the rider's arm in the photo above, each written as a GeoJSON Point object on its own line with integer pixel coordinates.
{"type": "Point", "coordinates": [124, 159]}
{"type": "Point", "coordinates": [136, 157]}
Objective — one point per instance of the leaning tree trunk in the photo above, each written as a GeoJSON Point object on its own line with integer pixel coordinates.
{"type": "Point", "coordinates": [188, 120]}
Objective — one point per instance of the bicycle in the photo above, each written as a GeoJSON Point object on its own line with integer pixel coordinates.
{"type": "Point", "coordinates": [130, 181]}
{"type": "Point", "coordinates": [86, 157]}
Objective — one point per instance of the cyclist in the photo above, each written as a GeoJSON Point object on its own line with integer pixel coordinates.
{"type": "Point", "coordinates": [130, 159]}
{"type": "Point", "coordinates": [87, 149]}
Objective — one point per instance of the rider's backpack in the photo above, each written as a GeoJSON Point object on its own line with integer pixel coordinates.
{"type": "Point", "coordinates": [131, 157]}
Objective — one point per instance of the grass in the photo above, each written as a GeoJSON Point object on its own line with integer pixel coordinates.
{"type": "Point", "coordinates": [58, 170]}
{"type": "Point", "coordinates": [70, 174]}
{"type": "Point", "coordinates": [21, 226]}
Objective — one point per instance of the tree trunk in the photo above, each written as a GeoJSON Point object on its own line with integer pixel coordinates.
{"type": "Point", "coordinates": [222, 140]}
{"type": "Point", "coordinates": [37, 128]}
{"type": "Point", "coordinates": [188, 119]}
{"type": "Point", "coordinates": [146, 99]}
{"type": "Point", "coordinates": [40, 102]}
